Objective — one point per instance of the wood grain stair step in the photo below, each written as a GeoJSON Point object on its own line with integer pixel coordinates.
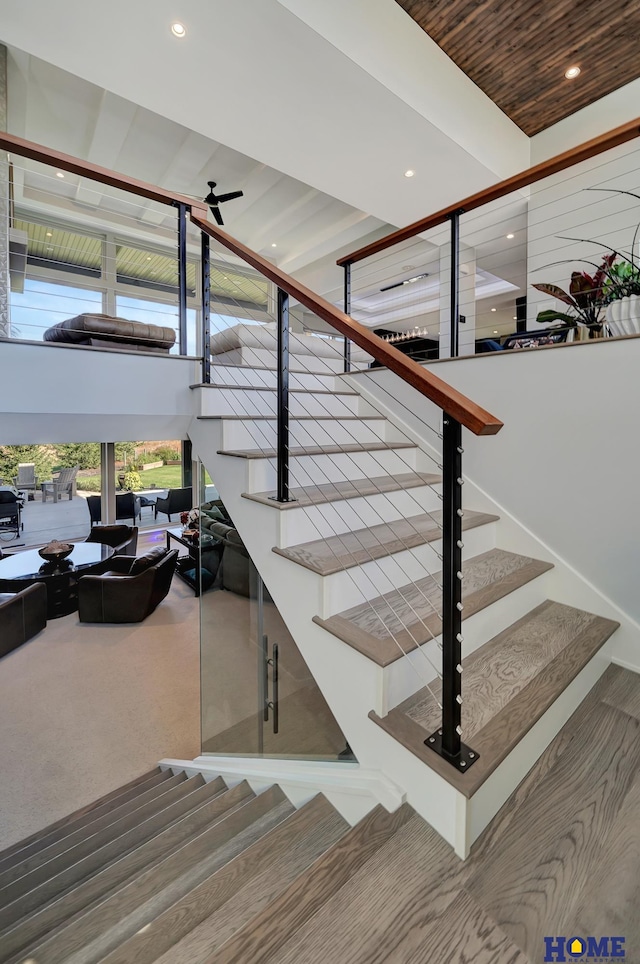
{"type": "Point", "coordinates": [112, 922]}
{"type": "Point", "coordinates": [339, 491]}
{"type": "Point", "coordinates": [297, 451]}
{"type": "Point", "coordinates": [225, 901]}
{"type": "Point", "coordinates": [412, 877]}
{"type": "Point", "coordinates": [349, 549]}
{"type": "Point", "coordinates": [279, 919]}
{"type": "Point", "coordinates": [62, 874]}
{"type": "Point", "coordinates": [86, 841]}
{"type": "Point", "coordinates": [137, 807]}
{"type": "Point", "coordinates": [155, 775]}
{"type": "Point", "coordinates": [399, 621]}
{"type": "Point", "coordinates": [508, 683]}
{"type": "Point", "coordinates": [49, 919]}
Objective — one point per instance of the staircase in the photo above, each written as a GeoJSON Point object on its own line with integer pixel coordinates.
{"type": "Point", "coordinates": [354, 567]}
{"type": "Point", "coordinates": [170, 868]}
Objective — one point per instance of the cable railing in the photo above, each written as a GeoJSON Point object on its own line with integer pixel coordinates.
{"type": "Point", "coordinates": [407, 624]}
{"type": "Point", "coordinates": [479, 276]}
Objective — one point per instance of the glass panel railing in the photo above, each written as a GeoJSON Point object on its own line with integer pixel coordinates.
{"type": "Point", "coordinates": [258, 695]}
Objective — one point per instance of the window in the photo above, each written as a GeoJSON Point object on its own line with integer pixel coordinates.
{"type": "Point", "coordinates": [157, 313]}
{"type": "Point", "coordinates": [45, 303]}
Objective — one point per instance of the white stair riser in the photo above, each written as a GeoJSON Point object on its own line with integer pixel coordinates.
{"type": "Point", "coordinates": [267, 378]}
{"type": "Point", "coordinates": [264, 358]}
{"type": "Point", "coordinates": [352, 587]}
{"type": "Point", "coordinates": [261, 434]}
{"type": "Point", "coordinates": [400, 680]}
{"type": "Point", "coordinates": [237, 401]}
{"type": "Point", "coordinates": [318, 469]}
{"type": "Point", "coordinates": [346, 515]}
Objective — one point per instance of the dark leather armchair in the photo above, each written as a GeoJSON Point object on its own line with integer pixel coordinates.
{"type": "Point", "coordinates": [123, 539]}
{"type": "Point", "coordinates": [127, 507]}
{"type": "Point", "coordinates": [130, 590]}
{"type": "Point", "coordinates": [22, 616]}
{"type": "Point", "coordinates": [177, 500]}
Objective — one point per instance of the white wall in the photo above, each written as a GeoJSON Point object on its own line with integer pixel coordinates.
{"type": "Point", "coordinates": [566, 464]}
{"type": "Point", "coordinates": [52, 393]}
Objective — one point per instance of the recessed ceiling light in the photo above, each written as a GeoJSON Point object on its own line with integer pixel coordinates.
{"type": "Point", "coordinates": [59, 174]}
{"type": "Point", "coordinates": [515, 317]}
{"type": "Point", "coordinates": [148, 257]}
{"type": "Point", "coordinates": [274, 245]}
{"type": "Point", "coordinates": [48, 234]}
{"type": "Point", "coordinates": [178, 29]}
{"type": "Point", "coordinates": [510, 236]}
{"type": "Point", "coordinates": [572, 72]}
{"type": "Point", "coordinates": [494, 309]}
{"type": "Point", "coordinates": [409, 173]}
{"type": "Point", "coordinates": [495, 331]}
{"type": "Point", "coordinates": [407, 267]}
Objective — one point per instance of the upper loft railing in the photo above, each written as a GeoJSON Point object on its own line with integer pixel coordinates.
{"type": "Point", "coordinates": [457, 410]}
{"type": "Point", "coordinates": [482, 256]}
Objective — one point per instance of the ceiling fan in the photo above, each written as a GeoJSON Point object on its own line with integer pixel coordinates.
{"type": "Point", "coordinates": [213, 200]}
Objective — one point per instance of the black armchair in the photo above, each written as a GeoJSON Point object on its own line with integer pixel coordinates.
{"type": "Point", "coordinates": [22, 616]}
{"type": "Point", "coordinates": [10, 512]}
{"type": "Point", "coordinates": [127, 507]}
{"type": "Point", "coordinates": [177, 500]}
{"type": "Point", "coordinates": [129, 591]}
{"type": "Point", "coordinates": [123, 539]}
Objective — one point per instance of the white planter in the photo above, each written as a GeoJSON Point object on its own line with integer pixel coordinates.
{"type": "Point", "coordinates": [623, 316]}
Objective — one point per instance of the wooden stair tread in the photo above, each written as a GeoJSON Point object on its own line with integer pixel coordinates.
{"type": "Point", "coordinates": [113, 921]}
{"type": "Point", "coordinates": [331, 555]}
{"type": "Point", "coordinates": [507, 686]}
{"type": "Point", "coordinates": [68, 870]}
{"type": "Point", "coordinates": [296, 904]}
{"type": "Point", "coordinates": [155, 775]}
{"type": "Point", "coordinates": [338, 491]}
{"type": "Point", "coordinates": [89, 828]}
{"type": "Point", "coordinates": [229, 899]}
{"type": "Point", "coordinates": [412, 877]}
{"type": "Point", "coordinates": [296, 451]}
{"type": "Point", "coordinates": [398, 622]}
{"type": "Point", "coordinates": [53, 916]}
{"type": "Point", "coordinates": [273, 389]}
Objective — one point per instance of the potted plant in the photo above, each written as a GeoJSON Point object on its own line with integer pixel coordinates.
{"type": "Point", "coordinates": [622, 290]}
{"type": "Point", "coordinates": [586, 299]}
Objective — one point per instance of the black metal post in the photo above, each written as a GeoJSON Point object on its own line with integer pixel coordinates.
{"type": "Point", "coordinates": [182, 277]}
{"type": "Point", "coordinates": [455, 283]}
{"type": "Point", "coordinates": [283, 398]}
{"type": "Point", "coordinates": [447, 741]}
{"type": "Point", "coordinates": [206, 309]}
{"type": "Point", "coordinates": [347, 311]}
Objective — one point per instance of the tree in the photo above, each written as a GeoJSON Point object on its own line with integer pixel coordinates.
{"type": "Point", "coordinates": [84, 454]}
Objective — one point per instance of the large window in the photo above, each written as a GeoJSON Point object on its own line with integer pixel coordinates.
{"type": "Point", "coordinates": [156, 313]}
{"type": "Point", "coordinates": [45, 303]}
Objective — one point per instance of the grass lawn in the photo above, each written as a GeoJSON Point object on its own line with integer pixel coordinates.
{"type": "Point", "coordinates": [166, 477]}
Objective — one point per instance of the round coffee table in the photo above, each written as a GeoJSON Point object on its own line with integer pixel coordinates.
{"type": "Point", "coordinates": [22, 569]}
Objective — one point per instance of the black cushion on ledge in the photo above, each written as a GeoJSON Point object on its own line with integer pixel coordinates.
{"type": "Point", "coordinates": [107, 331]}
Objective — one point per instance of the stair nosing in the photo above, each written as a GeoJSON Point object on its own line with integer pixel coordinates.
{"type": "Point", "coordinates": [302, 451]}
{"type": "Point", "coordinates": [540, 692]}
{"type": "Point", "coordinates": [385, 652]}
{"type": "Point", "coordinates": [418, 480]}
{"type": "Point", "coordinates": [381, 549]}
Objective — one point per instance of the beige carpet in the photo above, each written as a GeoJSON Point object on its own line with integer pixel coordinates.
{"type": "Point", "coordinates": [85, 708]}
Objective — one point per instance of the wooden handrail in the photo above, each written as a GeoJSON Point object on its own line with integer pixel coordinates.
{"type": "Point", "coordinates": [454, 403]}
{"type": "Point", "coordinates": [597, 145]}
{"type": "Point", "coordinates": [65, 162]}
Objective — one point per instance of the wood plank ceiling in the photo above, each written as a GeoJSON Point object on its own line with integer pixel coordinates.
{"type": "Point", "coordinates": [517, 52]}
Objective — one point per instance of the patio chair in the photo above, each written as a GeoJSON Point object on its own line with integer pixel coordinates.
{"type": "Point", "coordinates": [127, 507]}
{"type": "Point", "coordinates": [63, 483]}
{"type": "Point", "coordinates": [177, 500]}
{"type": "Point", "coordinates": [123, 539]}
{"type": "Point", "coordinates": [26, 480]}
{"type": "Point", "coordinates": [10, 512]}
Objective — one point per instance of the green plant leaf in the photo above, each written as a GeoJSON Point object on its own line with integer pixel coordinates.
{"type": "Point", "coordinates": [550, 315]}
